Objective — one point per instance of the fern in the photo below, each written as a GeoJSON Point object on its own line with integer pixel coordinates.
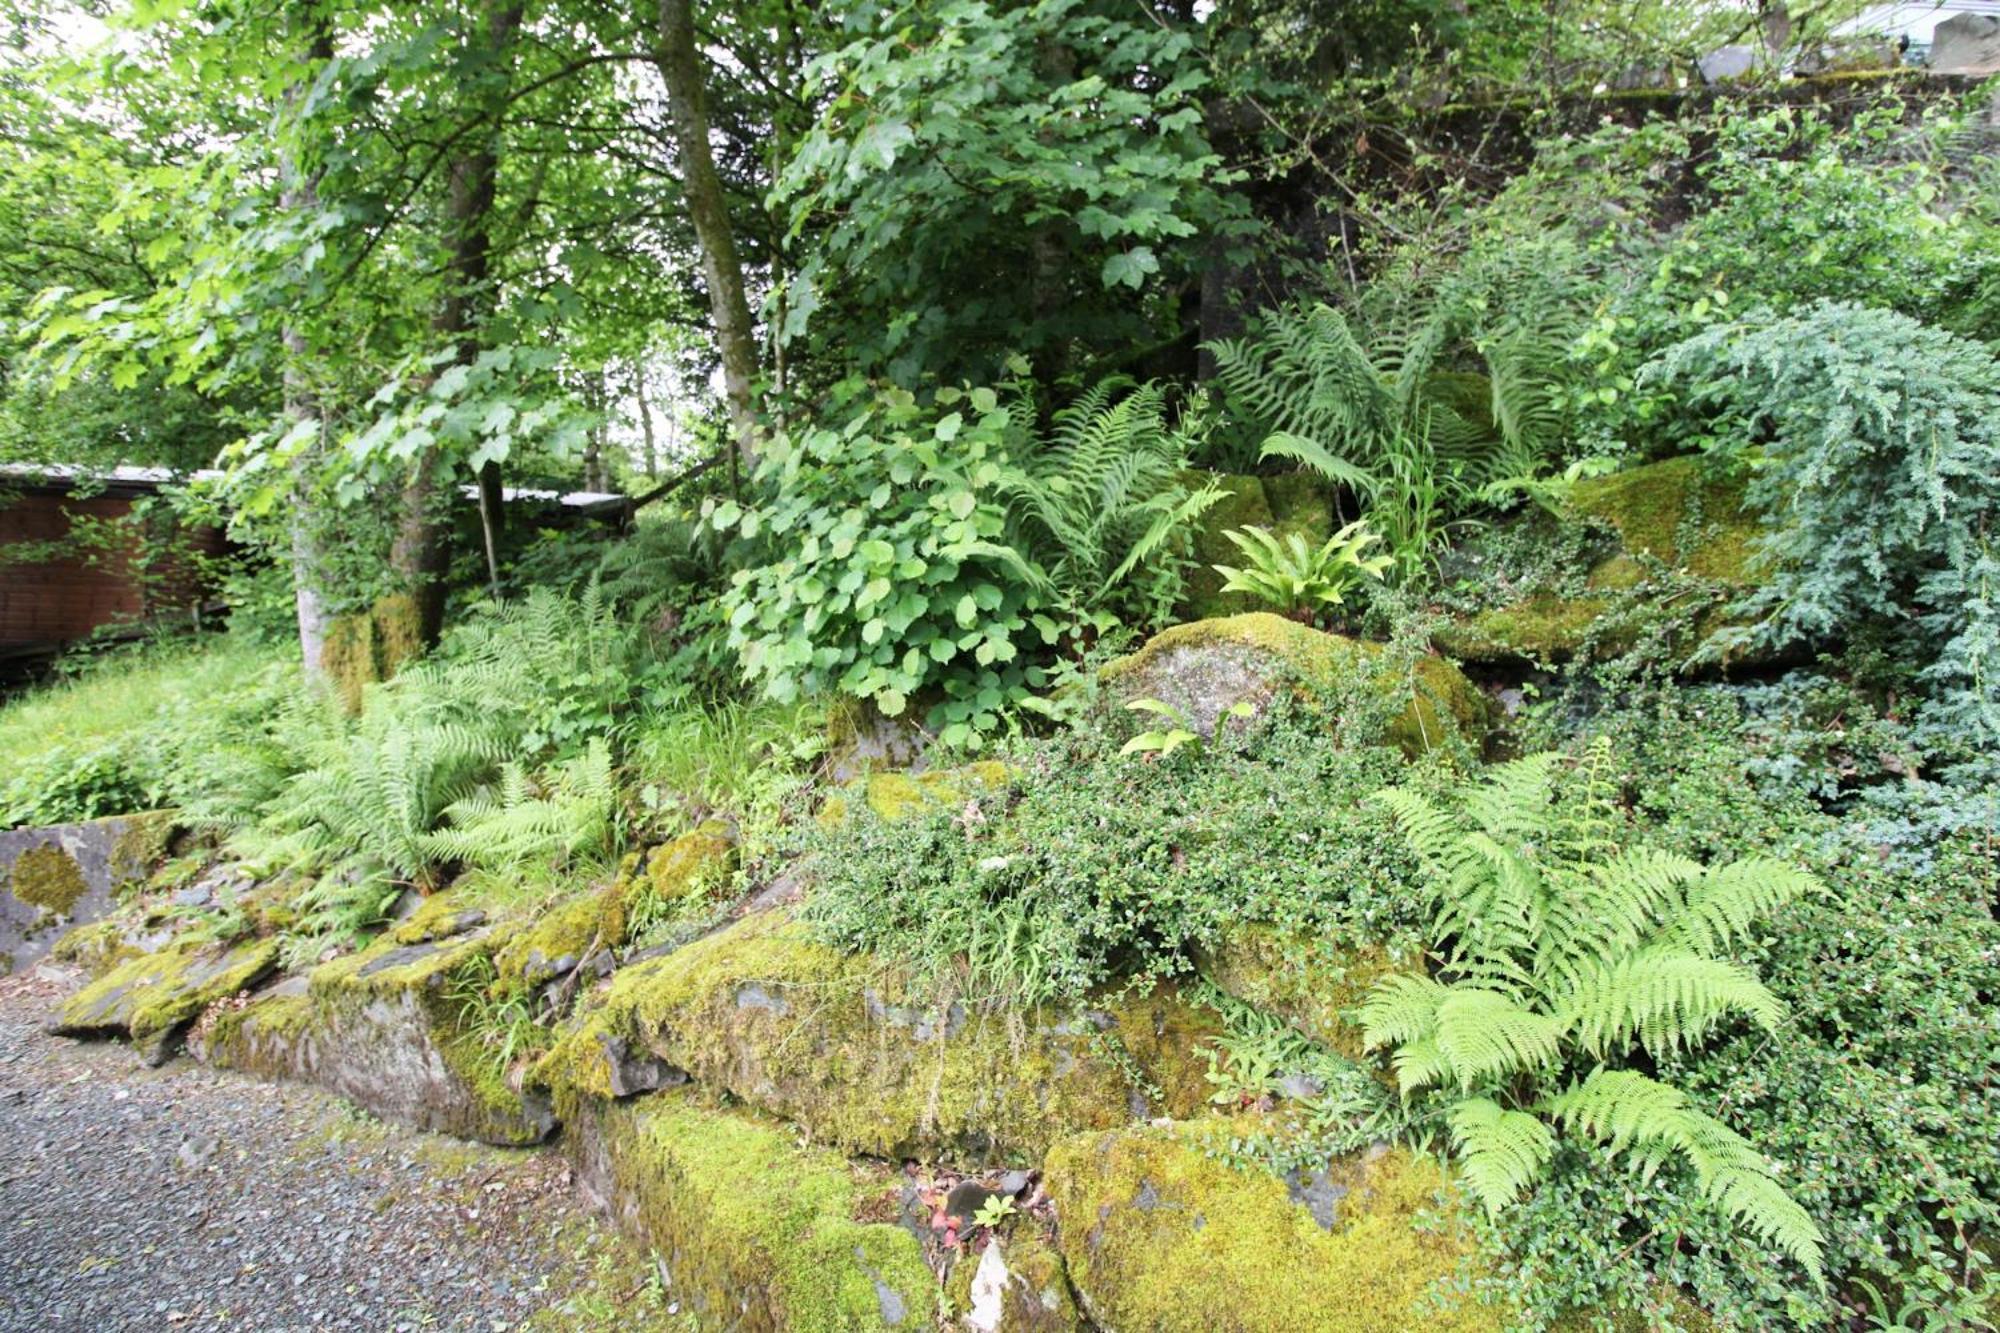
{"type": "Point", "coordinates": [1102, 494]}
{"type": "Point", "coordinates": [1561, 950]}
{"type": "Point", "coordinates": [516, 823]}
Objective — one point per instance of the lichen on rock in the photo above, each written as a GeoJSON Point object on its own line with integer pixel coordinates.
{"type": "Point", "coordinates": [49, 878]}
{"type": "Point", "coordinates": [847, 1049]}
{"type": "Point", "coordinates": [1204, 667]}
{"type": "Point", "coordinates": [754, 1231]}
{"type": "Point", "coordinates": [1159, 1233]}
{"type": "Point", "coordinates": [1015, 1285]}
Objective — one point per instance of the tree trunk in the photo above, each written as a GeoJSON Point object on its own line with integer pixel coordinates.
{"type": "Point", "coordinates": [421, 554]}
{"type": "Point", "coordinates": [646, 419]}
{"type": "Point", "coordinates": [687, 107]}
{"type": "Point", "coordinates": [300, 193]}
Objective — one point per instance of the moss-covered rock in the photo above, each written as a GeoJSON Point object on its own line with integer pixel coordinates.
{"type": "Point", "coordinates": [151, 998]}
{"type": "Point", "coordinates": [1310, 983]}
{"type": "Point", "coordinates": [1160, 1235]}
{"type": "Point", "coordinates": [391, 1028]}
{"type": "Point", "coordinates": [754, 1231]}
{"type": "Point", "coordinates": [1244, 503]}
{"type": "Point", "coordinates": [1205, 667]}
{"type": "Point", "coordinates": [845, 1049]}
{"type": "Point", "coordinates": [1300, 503]}
{"type": "Point", "coordinates": [96, 947]}
{"type": "Point", "coordinates": [893, 795]}
{"type": "Point", "coordinates": [1015, 1285]}
{"type": "Point", "coordinates": [1676, 515]}
{"type": "Point", "coordinates": [64, 875]}
{"type": "Point", "coordinates": [688, 868]}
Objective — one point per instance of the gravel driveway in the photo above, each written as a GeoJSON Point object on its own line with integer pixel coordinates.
{"type": "Point", "coordinates": [188, 1198]}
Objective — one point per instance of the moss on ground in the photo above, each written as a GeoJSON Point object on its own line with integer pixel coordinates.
{"type": "Point", "coordinates": [1438, 702]}
{"type": "Point", "coordinates": [845, 1048]}
{"type": "Point", "coordinates": [756, 1231]}
{"type": "Point", "coordinates": [1159, 1234]}
{"type": "Point", "coordinates": [49, 878]}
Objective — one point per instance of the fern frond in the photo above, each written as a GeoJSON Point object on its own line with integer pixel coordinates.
{"type": "Point", "coordinates": [1723, 902]}
{"type": "Point", "coordinates": [1649, 1120]}
{"type": "Point", "coordinates": [1500, 1152]}
{"type": "Point", "coordinates": [1484, 1034]}
{"type": "Point", "coordinates": [1401, 1007]}
{"type": "Point", "coordinates": [1666, 999]}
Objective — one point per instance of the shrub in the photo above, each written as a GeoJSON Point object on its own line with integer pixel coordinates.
{"type": "Point", "coordinates": [1880, 479]}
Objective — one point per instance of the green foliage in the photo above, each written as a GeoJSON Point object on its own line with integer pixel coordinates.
{"type": "Point", "coordinates": [516, 822]}
{"type": "Point", "coordinates": [1090, 870]}
{"type": "Point", "coordinates": [1560, 951]}
{"type": "Point", "coordinates": [1299, 580]}
{"type": "Point", "coordinates": [893, 577]}
{"type": "Point", "coordinates": [1881, 445]}
{"type": "Point", "coordinates": [1102, 497]}
{"type": "Point", "coordinates": [935, 552]}
{"type": "Point", "coordinates": [989, 179]}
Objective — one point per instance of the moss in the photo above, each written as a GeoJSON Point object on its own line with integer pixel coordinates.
{"type": "Point", "coordinates": [152, 996]}
{"type": "Point", "coordinates": [1677, 513]}
{"type": "Point", "coordinates": [437, 917]}
{"type": "Point", "coordinates": [347, 658]}
{"type": "Point", "coordinates": [363, 648]}
{"type": "Point", "coordinates": [892, 795]}
{"type": "Point", "coordinates": [693, 864]}
{"type": "Point", "coordinates": [1244, 503]}
{"type": "Point", "coordinates": [846, 1049]}
{"type": "Point", "coordinates": [47, 877]}
{"type": "Point", "coordinates": [398, 624]}
{"type": "Point", "coordinates": [1673, 514]}
{"type": "Point", "coordinates": [1299, 504]}
{"type": "Point", "coordinates": [142, 843]}
{"type": "Point", "coordinates": [758, 1233]}
{"type": "Point", "coordinates": [1159, 1234]}
{"type": "Point", "coordinates": [96, 947]}
{"type": "Point", "coordinates": [1310, 983]}
{"type": "Point", "coordinates": [1441, 701]}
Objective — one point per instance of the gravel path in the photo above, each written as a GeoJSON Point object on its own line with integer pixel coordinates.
{"type": "Point", "coordinates": [188, 1198]}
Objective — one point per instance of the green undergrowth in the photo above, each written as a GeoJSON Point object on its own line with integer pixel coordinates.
{"type": "Point", "coordinates": [1095, 867]}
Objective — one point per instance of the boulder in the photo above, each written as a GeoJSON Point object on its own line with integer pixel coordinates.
{"type": "Point", "coordinates": [62, 875]}
{"type": "Point", "coordinates": [754, 1232]}
{"type": "Point", "coordinates": [152, 998]}
{"type": "Point", "coordinates": [1161, 1234]}
{"type": "Point", "coordinates": [1966, 44]}
{"type": "Point", "coordinates": [1308, 982]}
{"type": "Point", "coordinates": [1672, 515]}
{"type": "Point", "coordinates": [389, 1028]}
{"type": "Point", "coordinates": [842, 1046]}
{"type": "Point", "coordinates": [1208, 666]}
{"type": "Point", "coordinates": [1727, 64]}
